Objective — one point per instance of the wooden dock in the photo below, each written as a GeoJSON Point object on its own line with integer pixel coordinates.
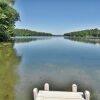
{"type": "Point", "coordinates": [60, 95]}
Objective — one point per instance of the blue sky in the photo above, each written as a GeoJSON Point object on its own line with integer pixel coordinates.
{"type": "Point", "coordinates": [58, 16]}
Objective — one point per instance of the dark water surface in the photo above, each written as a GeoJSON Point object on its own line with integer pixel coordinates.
{"type": "Point", "coordinates": [58, 61]}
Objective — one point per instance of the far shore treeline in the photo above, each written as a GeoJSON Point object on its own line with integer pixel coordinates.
{"type": "Point", "coordinates": [84, 33]}
{"type": "Point", "coordinates": [26, 32]}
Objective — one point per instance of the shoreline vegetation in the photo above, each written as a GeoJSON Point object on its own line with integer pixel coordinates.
{"type": "Point", "coordinates": [26, 32]}
{"type": "Point", "coordinates": [90, 33]}
{"type": "Point", "coordinates": [87, 36]}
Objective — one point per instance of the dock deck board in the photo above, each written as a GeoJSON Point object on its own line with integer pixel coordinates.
{"type": "Point", "coordinates": [59, 95]}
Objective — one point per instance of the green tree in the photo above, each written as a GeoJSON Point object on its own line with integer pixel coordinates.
{"type": "Point", "coordinates": [8, 1]}
{"type": "Point", "coordinates": [8, 17]}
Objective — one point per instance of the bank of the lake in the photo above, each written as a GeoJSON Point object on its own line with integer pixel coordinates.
{"type": "Point", "coordinates": [88, 36]}
{"type": "Point", "coordinates": [89, 33]}
{"type": "Point", "coordinates": [26, 32]}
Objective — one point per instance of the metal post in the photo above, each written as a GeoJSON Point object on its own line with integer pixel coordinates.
{"type": "Point", "coordinates": [87, 95]}
{"type": "Point", "coordinates": [35, 93]}
{"type": "Point", "coordinates": [46, 87]}
{"type": "Point", "coordinates": [74, 88]}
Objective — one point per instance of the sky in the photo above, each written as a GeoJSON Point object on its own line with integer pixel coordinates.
{"type": "Point", "coordinates": [58, 16]}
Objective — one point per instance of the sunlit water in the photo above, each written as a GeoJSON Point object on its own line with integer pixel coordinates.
{"type": "Point", "coordinates": [59, 62]}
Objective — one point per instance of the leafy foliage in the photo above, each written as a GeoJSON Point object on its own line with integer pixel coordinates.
{"type": "Point", "coordinates": [8, 1]}
{"type": "Point", "coordinates": [8, 17]}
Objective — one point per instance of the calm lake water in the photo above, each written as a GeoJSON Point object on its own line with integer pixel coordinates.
{"type": "Point", "coordinates": [58, 61]}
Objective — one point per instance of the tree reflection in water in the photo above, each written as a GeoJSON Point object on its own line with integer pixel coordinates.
{"type": "Point", "coordinates": [8, 76]}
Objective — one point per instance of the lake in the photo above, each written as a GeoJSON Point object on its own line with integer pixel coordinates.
{"type": "Point", "coordinates": [56, 60]}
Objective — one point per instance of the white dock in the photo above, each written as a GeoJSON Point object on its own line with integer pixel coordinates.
{"type": "Point", "coordinates": [60, 95]}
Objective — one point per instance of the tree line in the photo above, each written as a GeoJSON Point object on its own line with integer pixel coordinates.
{"type": "Point", "coordinates": [84, 33]}
{"type": "Point", "coordinates": [8, 17]}
{"type": "Point", "coordinates": [26, 32]}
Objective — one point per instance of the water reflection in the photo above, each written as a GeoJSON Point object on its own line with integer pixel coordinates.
{"type": "Point", "coordinates": [85, 40]}
{"type": "Point", "coordinates": [59, 62]}
{"type": "Point", "coordinates": [29, 38]}
{"type": "Point", "coordinates": [8, 76]}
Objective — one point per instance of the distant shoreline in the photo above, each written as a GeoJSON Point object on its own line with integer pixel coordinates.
{"type": "Point", "coordinates": [90, 33]}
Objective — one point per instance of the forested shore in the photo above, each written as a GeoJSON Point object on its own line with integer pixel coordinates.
{"type": "Point", "coordinates": [26, 32]}
{"type": "Point", "coordinates": [90, 33]}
